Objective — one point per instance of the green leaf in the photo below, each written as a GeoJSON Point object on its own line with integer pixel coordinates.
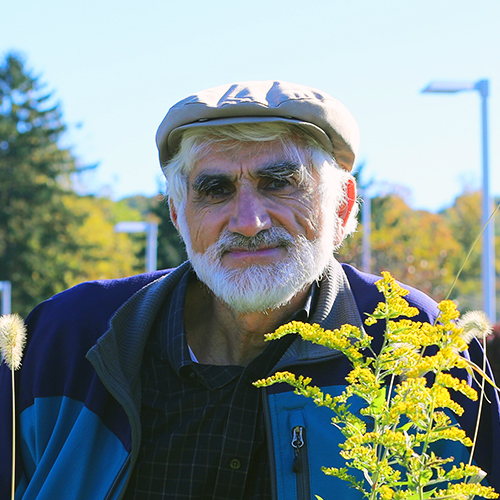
{"type": "Point", "coordinates": [405, 427]}
{"type": "Point", "coordinates": [379, 401]}
{"type": "Point", "coordinates": [426, 494]}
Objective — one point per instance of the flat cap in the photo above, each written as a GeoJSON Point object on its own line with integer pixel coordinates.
{"type": "Point", "coordinates": [319, 114]}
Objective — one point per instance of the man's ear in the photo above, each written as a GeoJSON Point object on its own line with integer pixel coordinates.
{"type": "Point", "coordinates": [173, 213]}
{"type": "Point", "coordinates": [346, 207]}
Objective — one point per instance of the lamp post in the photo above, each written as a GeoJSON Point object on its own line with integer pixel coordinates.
{"type": "Point", "coordinates": [366, 222]}
{"type": "Point", "coordinates": [5, 288]}
{"type": "Point", "coordinates": [488, 244]}
{"type": "Point", "coordinates": [151, 230]}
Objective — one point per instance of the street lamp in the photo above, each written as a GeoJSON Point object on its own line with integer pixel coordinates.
{"type": "Point", "coordinates": [151, 230]}
{"type": "Point", "coordinates": [5, 288]}
{"type": "Point", "coordinates": [488, 247]}
{"type": "Point", "coordinates": [366, 222]}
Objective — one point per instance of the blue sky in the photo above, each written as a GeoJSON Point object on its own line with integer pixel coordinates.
{"type": "Point", "coordinates": [117, 66]}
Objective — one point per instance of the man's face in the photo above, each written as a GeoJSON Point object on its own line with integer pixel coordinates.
{"type": "Point", "coordinates": [255, 230]}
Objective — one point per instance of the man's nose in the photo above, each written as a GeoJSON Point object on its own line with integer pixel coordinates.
{"type": "Point", "coordinates": [250, 215]}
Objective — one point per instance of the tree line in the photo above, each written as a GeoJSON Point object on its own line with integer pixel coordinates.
{"type": "Point", "coordinates": [52, 238]}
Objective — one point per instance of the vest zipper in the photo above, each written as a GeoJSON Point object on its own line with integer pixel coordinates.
{"type": "Point", "coordinates": [300, 462]}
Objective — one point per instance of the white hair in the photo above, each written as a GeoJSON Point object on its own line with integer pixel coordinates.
{"type": "Point", "coordinates": [296, 144]}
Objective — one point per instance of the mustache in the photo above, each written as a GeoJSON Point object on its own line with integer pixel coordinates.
{"type": "Point", "coordinates": [272, 237]}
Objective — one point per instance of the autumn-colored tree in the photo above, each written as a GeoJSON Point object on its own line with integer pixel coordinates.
{"type": "Point", "coordinates": [101, 253]}
{"type": "Point", "coordinates": [416, 246]}
{"type": "Point", "coordinates": [464, 220]}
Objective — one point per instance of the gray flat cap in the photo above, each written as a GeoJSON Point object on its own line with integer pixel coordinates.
{"type": "Point", "coordinates": [319, 114]}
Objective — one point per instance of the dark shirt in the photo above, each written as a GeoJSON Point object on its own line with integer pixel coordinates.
{"type": "Point", "coordinates": [203, 429]}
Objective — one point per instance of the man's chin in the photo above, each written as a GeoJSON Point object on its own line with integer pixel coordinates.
{"type": "Point", "coordinates": [253, 305]}
{"type": "Point", "coordinates": [255, 289]}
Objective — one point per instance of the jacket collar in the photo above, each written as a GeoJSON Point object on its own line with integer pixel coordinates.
{"type": "Point", "coordinates": [118, 353]}
{"type": "Point", "coordinates": [336, 307]}
{"type": "Point", "coordinates": [117, 356]}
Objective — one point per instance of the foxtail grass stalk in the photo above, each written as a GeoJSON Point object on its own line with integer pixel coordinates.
{"type": "Point", "coordinates": [12, 341]}
{"type": "Point", "coordinates": [455, 280]}
{"type": "Point", "coordinates": [477, 324]}
{"type": "Point", "coordinates": [13, 481]}
{"type": "Point", "coordinates": [480, 408]}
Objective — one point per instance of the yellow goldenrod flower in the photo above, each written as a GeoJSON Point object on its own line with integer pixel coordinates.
{"type": "Point", "coordinates": [441, 420]}
{"type": "Point", "coordinates": [448, 311]}
{"type": "Point", "coordinates": [386, 493]}
{"type": "Point", "coordinates": [447, 380]}
{"type": "Point", "coordinates": [464, 491]}
{"type": "Point", "coordinates": [462, 471]}
{"type": "Point", "coordinates": [451, 434]}
{"type": "Point", "coordinates": [389, 438]}
{"type": "Point", "coordinates": [442, 399]}
{"type": "Point", "coordinates": [363, 378]}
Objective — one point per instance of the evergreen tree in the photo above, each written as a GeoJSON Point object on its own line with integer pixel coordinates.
{"type": "Point", "coordinates": [35, 175]}
{"type": "Point", "coordinates": [171, 249]}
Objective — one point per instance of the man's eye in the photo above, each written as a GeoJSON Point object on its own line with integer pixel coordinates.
{"type": "Point", "coordinates": [277, 184]}
{"type": "Point", "coordinates": [214, 192]}
{"type": "Point", "coordinates": [217, 191]}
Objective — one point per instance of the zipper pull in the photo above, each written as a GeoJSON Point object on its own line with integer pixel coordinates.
{"type": "Point", "coordinates": [297, 444]}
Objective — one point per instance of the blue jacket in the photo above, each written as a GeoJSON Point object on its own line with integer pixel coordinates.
{"type": "Point", "coordinates": [79, 393]}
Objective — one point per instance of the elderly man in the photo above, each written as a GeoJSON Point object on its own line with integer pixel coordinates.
{"type": "Point", "coordinates": [141, 388]}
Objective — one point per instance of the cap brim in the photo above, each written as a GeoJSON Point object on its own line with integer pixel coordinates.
{"type": "Point", "coordinates": [173, 140]}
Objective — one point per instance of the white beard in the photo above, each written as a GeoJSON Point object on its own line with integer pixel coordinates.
{"type": "Point", "coordinates": [259, 288]}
